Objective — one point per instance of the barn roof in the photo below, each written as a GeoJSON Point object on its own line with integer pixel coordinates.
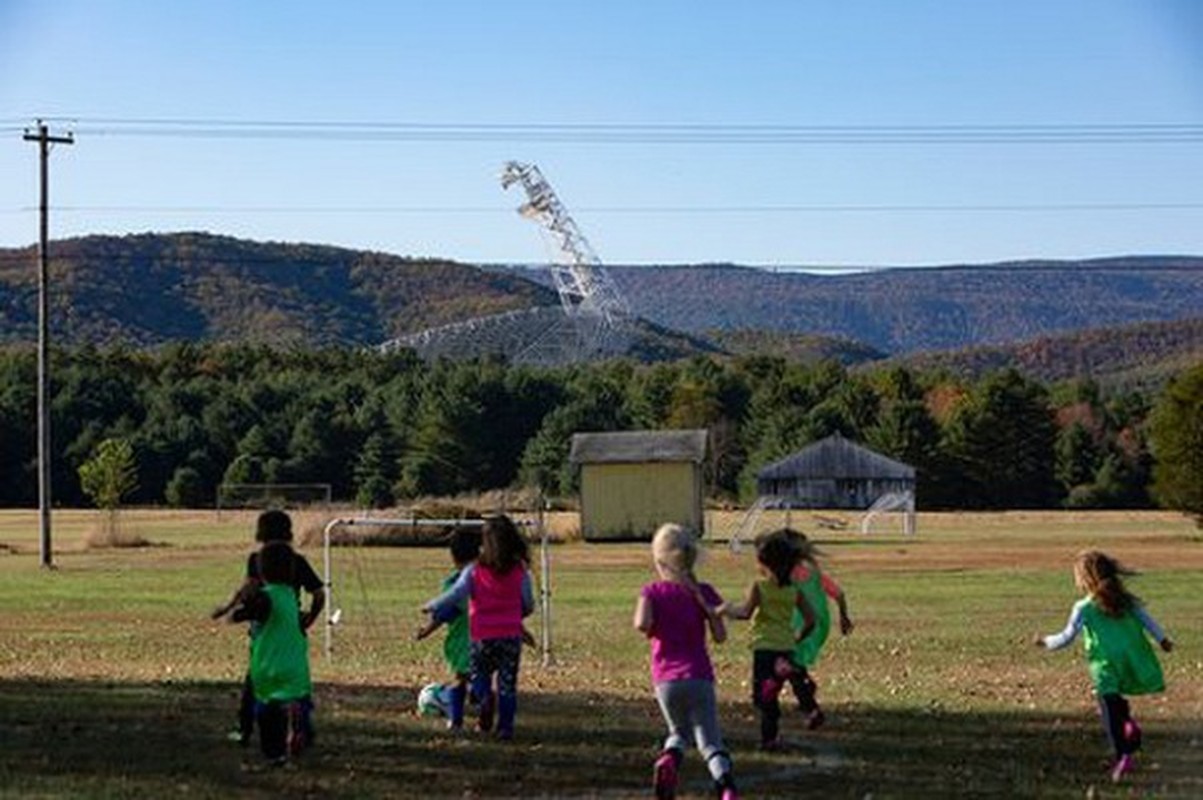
{"type": "Point", "coordinates": [637, 447]}
{"type": "Point", "coordinates": [836, 457]}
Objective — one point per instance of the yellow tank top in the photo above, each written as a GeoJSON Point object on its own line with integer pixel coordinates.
{"type": "Point", "coordinates": [772, 621]}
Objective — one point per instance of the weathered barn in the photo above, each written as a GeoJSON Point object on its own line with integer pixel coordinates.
{"type": "Point", "coordinates": [836, 473]}
{"type": "Point", "coordinates": [633, 481]}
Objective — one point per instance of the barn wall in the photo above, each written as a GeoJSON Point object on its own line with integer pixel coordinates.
{"type": "Point", "coordinates": [629, 501]}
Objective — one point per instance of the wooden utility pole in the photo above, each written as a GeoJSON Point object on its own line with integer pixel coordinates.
{"type": "Point", "coordinates": [44, 139]}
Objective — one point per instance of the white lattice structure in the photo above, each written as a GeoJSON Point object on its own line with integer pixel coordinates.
{"type": "Point", "coordinates": [592, 319]}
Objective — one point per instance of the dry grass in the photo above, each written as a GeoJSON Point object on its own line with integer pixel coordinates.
{"type": "Point", "coordinates": [114, 683]}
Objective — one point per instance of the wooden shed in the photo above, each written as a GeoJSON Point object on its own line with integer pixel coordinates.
{"type": "Point", "coordinates": [633, 481]}
{"type": "Point", "coordinates": [836, 473]}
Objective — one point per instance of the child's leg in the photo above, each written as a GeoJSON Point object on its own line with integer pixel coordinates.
{"type": "Point", "coordinates": [273, 730]}
{"type": "Point", "coordinates": [483, 667]}
{"type": "Point", "coordinates": [675, 703]}
{"type": "Point", "coordinates": [459, 692]}
{"type": "Point", "coordinates": [1116, 714]}
{"type": "Point", "coordinates": [805, 689]}
{"type": "Point", "coordinates": [246, 710]}
{"type": "Point", "coordinates": [765, 688]}
{"type": "Point", "coordinates": [509, 657]}
{"type": "Point", "coordinates": [708, 737]}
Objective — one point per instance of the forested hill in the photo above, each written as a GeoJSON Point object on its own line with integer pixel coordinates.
{"type": "Point", "coordinates": [1141, 355]}
{"type": "Point", "coordinates": [151, 288]}
{"type": "Point", "coordinates": [905, 310]}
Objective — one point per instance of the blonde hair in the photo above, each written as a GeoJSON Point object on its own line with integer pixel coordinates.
{"type": "Point", "coordinates": [675, 548]}
{"type": "Point", "coordinates": [1101, 576]}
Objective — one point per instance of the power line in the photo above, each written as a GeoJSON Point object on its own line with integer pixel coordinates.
{"type": "Point", "coordinates": [641, 133]}
{"type": "Point", "coordinates": [872, 208]}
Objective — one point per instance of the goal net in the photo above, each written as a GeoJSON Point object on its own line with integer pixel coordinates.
{"type": "Point", "coordinates": [379, 571]}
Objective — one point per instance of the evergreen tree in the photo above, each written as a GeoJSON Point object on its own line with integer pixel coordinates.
{"type": "Point", "coordinates": [1176, 438]}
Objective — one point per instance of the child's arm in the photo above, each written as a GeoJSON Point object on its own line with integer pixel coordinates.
{"type": "Point", "coordinates": [643, 616]}
{"type": "Point", "coordinates": [742, 610]}
{"type": "Point", "coordinates": [1153, 628]}
{"type": "Point", "coordinates": [528, 638]}
{"type": "Point", "coordinates": [528, 594]}
{"type": "Point", "coordinates": [446, 605]}
{"type": "Point", "coordinates": [808, 616]}
{"type": "Point", "coordinates": [255, 608]}
{"type": "Point", "coordinates": [1058, 640]}
{"type": "Point", "coordinates": [836, 593]}
{"type": "Point", "coordinates": [432, 625]}
{"type": "Point", "coordinates": [240, 595]}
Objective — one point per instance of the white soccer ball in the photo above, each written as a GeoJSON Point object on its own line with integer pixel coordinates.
{"type": "Point", "coordinates": [434, 700]}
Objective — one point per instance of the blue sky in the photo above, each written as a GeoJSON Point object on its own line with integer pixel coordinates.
{"type": "Point", "coordinates": [864, 64]}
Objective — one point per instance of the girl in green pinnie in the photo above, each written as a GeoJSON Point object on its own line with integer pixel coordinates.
{"type": "Point", "coordinates": [464, 544]}
{"type": "Point", "coordinates": [817, 586]}
{"type": "Point", "coordinates": [1113, 624]}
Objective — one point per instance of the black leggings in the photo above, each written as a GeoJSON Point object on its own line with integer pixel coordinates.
{"type": "Point", "coordinates": [771, 670]}
{"type": "Point", "coordinates": [1116, 714]}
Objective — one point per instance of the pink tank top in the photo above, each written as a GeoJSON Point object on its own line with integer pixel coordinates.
{"type": "Point", "coordinates": [495, 604]}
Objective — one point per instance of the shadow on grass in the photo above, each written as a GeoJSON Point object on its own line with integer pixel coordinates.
{"type": "Point", "coordinates": [81, 739]}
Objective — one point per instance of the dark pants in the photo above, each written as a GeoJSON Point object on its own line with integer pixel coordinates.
{"type": "Point", "coordinates": [771, 671]}
{"type": "Point", "coordinates": [285, 728]}
{"type": "Point", "coordinates": [1115, 712]}
{"type": "Point", "coordinates": [500, 657]}
{"type": "Point", "coordinates": [246, 710]}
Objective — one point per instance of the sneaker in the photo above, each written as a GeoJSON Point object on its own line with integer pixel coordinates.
{"type": "Point", "coordinates": [729, 794]}
{"type": "Point", "coordinates": [1122, 767]}
{"type": "Point", "coordinates": [487, 706]}
{"type": "Point", "coordinates": [238, 737]}
{"type": "Point", "coordinates": [815, 719]}
{"type": "Point", "coordinates": [664, 777]}
{"type": "Point", "coordinates": [1132, 734]}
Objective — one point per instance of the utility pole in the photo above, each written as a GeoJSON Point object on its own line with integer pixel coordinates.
{"type": "Point", "coordinates": [44, 139]}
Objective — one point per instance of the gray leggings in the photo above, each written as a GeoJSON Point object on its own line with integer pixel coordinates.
{"type": "Point", "coordinates": [689, 707]}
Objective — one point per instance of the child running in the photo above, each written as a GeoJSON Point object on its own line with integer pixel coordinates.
{"type": "Point", "coordinates": [818, 586]}
{"type": "Point", "coordinates": [771, 603]}
{"type": "Point", "coordinates": [1113, 622]}
{"type": "Point", "coordinates": [499, 594]}
{"type": "Point", "coordinates": [279, 657]}
{"type": "Point", "coordinates": [674, 613]}
{"type": "Point", "coordinates": [464, 544]}
{"type": "Point", "coordinates": [272, 526]}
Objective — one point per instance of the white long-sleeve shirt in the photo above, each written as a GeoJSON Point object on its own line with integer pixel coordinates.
{"type": "Point", "coordinates": [1073, 627]}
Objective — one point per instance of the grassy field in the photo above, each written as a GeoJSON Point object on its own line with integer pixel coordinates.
{"type": "Point", "coordinates": [114, 683]}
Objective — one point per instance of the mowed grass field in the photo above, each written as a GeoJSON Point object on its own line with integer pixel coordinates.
{"type": "Point", "coordinates": [115, 683]}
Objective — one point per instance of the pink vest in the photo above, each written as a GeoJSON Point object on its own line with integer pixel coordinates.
{"type": "Point", "coordinates": [495, 604]}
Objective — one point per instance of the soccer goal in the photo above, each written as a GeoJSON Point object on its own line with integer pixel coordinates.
{"type": "Point", "coordinates": [341, 532]}
{"type": "Point", "coordinates": [903, 502]}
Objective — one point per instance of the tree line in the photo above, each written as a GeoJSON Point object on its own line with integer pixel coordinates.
{"type": "Point", "coordinates": [380, 428]}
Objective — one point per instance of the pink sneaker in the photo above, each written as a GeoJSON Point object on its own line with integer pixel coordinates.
{"type": "Point", "coordinates": [1122, 767]}
{"type": "Point", "coordinates": [664, 777]}
{"type": "Point", "coordinates": [1132, 734]}
{"type": "Point", "coordinates": [729, 794]}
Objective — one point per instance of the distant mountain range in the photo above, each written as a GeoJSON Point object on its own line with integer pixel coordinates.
{"type": "Point", "coordinates": [152, 288]}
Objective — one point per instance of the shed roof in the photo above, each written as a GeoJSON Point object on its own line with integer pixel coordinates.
{"type": "Point", "coordinates": [836, 457]}
{"type": "Point", "coordinates": [637, 447]}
